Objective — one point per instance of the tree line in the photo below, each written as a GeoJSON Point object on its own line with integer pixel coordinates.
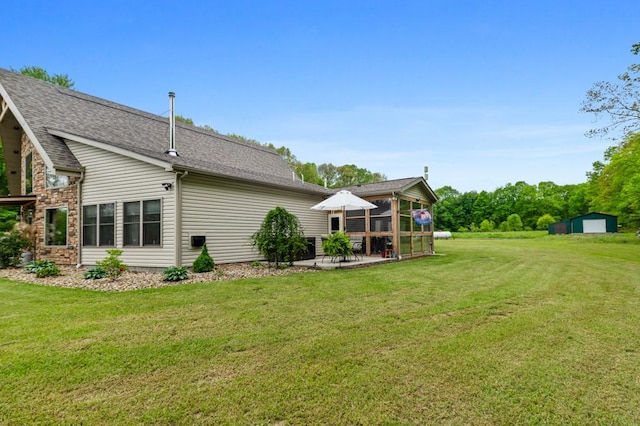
{"type": "Point", "coordinates": [325, 174]}
{"type": "Point", "coordinates": [512, 207]}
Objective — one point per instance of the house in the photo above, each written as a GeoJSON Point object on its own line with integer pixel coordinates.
{"type": "Point", "coordinates": [590, 223]}
{"type": "Point", "coordinates": [92, 175]}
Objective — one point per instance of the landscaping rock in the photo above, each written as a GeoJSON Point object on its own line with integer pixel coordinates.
{"type": "Point", "coordinates": [72, 277]}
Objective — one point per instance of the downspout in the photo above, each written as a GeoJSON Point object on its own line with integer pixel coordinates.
{"type": "Point", "coordinates": [178, 218]}
{"type": "Point", "coordinates": [79, 233]}
{"type": "Point", "coordinates": [395, 222]}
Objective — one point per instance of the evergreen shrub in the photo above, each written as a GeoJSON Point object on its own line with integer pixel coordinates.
{"type": "Point", "coordinates": [204, 262]}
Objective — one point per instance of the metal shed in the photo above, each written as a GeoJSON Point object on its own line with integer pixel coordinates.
{"type": "Point", "coordinates": [590, 223]}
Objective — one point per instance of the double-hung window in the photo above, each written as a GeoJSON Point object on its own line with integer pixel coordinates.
{"type": "Point", "coordinates": [98, 225]}
{"type": "Point", "coordinates": [142, 223]}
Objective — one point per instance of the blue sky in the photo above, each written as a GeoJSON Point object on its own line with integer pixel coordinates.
{"type": "Point", "coordinates": [484, 92]}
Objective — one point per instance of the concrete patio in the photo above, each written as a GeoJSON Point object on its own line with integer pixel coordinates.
{"type": "Point", "coordinates": [324, 262]}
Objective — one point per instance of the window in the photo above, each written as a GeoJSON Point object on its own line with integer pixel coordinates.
{"type": "Point", "coordinates": [28, 173]}
{"type": "Point", "coordinates": [132, 224]}
{"type": "Point", "coordinates": [98, 225]}
{"type": "Point", "coordinates": [151, 223]}
{"type": "Point", "coordinates": [90, 225]}
{"type": "Point", "coordinates": [145, 227]}
{"type": "Point", "coordinates": [53, 180]}
{"type": "Point", "coordinates": [56, 226]}
{"type": "Point", "coordinates": [106, 222]}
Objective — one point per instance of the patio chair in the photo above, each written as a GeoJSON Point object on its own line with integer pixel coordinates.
{"type": "Point", "coordinates": [356, 247]}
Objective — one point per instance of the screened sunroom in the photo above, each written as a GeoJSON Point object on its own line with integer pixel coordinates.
{"type": "Point", "coordinates": [401, 225]}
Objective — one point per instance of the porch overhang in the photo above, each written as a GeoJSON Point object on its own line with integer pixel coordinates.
{"type": "Point", "coordinates": [17, 200]}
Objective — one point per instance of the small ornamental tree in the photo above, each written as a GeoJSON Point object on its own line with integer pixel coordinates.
{"type": "Point", "coordinates": [204, 262]}
{"type": "Point", "coordinates": [280, 238]}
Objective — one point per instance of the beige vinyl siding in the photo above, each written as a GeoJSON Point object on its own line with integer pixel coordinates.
{"type": "Point", "coordinates": [113, 178]}
{"type": "Point", "coordinates": [417, 191]}
{"type": "Point", "coordinates": [228, 212]}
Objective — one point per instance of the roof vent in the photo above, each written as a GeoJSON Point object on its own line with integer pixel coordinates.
{"type": "Point", "coordinates": [172, 127]}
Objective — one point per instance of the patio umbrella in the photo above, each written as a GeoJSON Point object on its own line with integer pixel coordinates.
{"type": "Point", "coordinates": [344, 200]}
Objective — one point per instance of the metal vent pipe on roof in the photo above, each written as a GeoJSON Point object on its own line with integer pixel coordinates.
{"type": "Point", "coordinates": [172, 127]}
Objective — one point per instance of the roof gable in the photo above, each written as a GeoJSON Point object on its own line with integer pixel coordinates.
{"type": "Point", "coordinates": [397, 186]}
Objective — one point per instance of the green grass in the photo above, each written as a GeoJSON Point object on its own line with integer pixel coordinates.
{"type": "Point", "coordinates": [622, 237]}
{"type": "Point", "coordinates": [497, 331]}
{"type": "Point", "coordinates": [500, 234]}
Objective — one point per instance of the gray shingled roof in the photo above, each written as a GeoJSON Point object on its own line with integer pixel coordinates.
{"type": "Point", "coordinates": [46, 107]}
{"type": "Point", "coordinates": [388, 186]}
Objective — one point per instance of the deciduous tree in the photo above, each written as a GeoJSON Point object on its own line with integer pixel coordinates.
{"type": "Point", "coordinates": [618, 102]}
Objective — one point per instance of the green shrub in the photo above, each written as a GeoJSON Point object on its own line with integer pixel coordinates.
{"type": "Point", "coordinates": [175, 273]}
{"type": "Point", "coordinates": [43, 268]}
{"type": "Point", "coordinates": [36, 265]}
{"type": "Point", "coordinates": [7, 226]}
{"type": "Point", "coordinates": [544, 221]}
{"type": "Point", "coordinates": [95, 273]}
{"type": "Point", "coordinates": [487, 226]}
{"type": "Point", "coordinates": [514, 222]}
{"type": "Point", "coordinates": [112, 264]}
{"type": "Point", "coordinates": [204, 262]}
{"type": "Point", "coordinates": [48, 271]}
{"type": "Point", "coordinates": [8, 218]}
{"type": "Point", "coordinates": [11, 246]}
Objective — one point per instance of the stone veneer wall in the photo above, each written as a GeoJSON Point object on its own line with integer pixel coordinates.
{"type": "Point", "coordinates": [54, 197]}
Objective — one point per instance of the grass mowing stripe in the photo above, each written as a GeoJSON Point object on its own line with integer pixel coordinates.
{"type": "Point", "coordinates": [494, 331]}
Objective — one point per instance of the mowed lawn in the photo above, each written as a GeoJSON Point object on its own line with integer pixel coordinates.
{"type": "Point", "coordinates": [522, 331]}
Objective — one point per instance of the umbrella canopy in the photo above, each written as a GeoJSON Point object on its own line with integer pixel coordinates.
{"type": "Point", "coordinates": [344, 200]}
